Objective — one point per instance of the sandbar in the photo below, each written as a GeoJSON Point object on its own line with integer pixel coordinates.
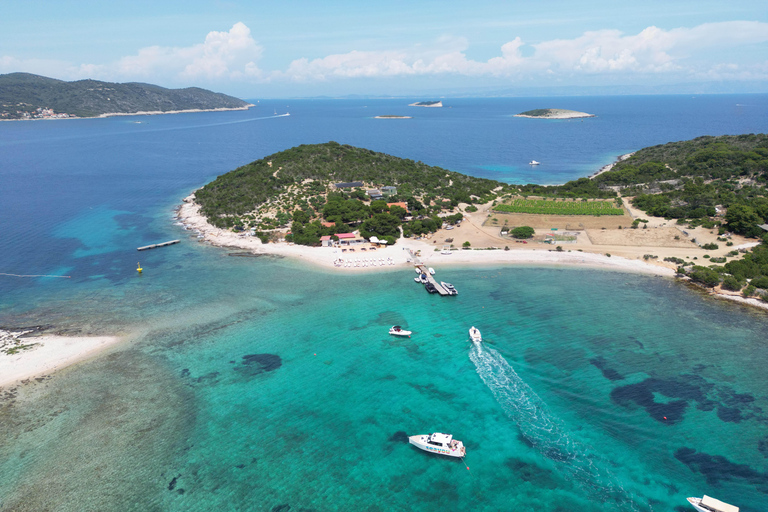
{"type": "Point", "coordinates": [44, 354]}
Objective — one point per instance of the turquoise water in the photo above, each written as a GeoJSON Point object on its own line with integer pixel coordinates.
{"type": "Point", "coordinates": [553, 410]}
{"type": "Point", "coordinates": [259, 384]}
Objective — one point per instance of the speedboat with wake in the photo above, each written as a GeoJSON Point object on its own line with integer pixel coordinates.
{"type": "Point", "coordinates": [474, 335]}
{"type": "Point", "coordinates": [442, 444]}
{"type": "Point", "coordinates": [396, 330]}
{"type": "Point", "coordinates": [707, 504]}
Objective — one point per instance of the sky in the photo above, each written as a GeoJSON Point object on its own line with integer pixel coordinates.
{"type": "Point", "coordinates": [337, 48]}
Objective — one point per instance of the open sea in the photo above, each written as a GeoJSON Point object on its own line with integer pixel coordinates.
{"type": "Point", "coordinates": [260, 384]}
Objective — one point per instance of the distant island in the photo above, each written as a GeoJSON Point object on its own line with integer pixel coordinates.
{"type": "Point", "coordinates": [392, 117]}
{"type": "Point", "coordinates": [426, 104]}
{"type": "Point", "coordinates": [28, 96]}
{"type": "Point", "coordinates": [553, 113]}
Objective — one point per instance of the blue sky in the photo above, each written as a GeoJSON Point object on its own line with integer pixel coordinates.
{"type": "Point", "coordinates": [290, 48]}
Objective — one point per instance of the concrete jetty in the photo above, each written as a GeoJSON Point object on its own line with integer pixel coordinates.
{"type": "Point", "coordinates": [153, 246]}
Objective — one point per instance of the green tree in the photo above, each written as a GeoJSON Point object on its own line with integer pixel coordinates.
{"type": "Point", "coordinates": [743, 220]}
{"type": "Point", "coordinates": [523, 232]}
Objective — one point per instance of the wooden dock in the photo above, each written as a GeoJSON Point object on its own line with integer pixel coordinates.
{"type": "Point", "coordinates": [154, 246]}
{"type": "Point", "coordinates": [424, 270]}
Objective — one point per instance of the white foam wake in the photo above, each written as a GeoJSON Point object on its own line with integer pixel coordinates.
{"type": "Point", "coordinates": [542, 430]}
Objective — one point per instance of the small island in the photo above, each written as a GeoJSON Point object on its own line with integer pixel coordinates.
{"type": "Point", "coordinates": [426, 104]}
{"type": "Point", "coordinates": [393, 117]}
{"type": "Point", "coordinates": [553, 113]}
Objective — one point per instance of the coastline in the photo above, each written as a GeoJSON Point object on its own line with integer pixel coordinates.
{"type": "Point", "coordinates": [188, 215]}
{"type": "Point", "coordinates": [610, 166]}
{"type": "Point", "coordinates": [140, 113]}
{"type": "Point", "coordinates": [45, 354]}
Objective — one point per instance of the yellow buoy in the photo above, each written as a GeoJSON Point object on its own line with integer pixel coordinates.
{"type": "Point", "coordinates": [139, 269]}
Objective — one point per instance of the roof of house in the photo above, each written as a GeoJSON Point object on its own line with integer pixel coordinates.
{"type": "Point", "coordinates": [327, 224]}
{"type": "Point", "coordinates": [346, 235]}
{"type": "Point", "coordinates": [389, 187]}
{"type": "Point", "coordinates": [324, 238]}
{"type": "Point", "coordinates": [404, 206]}
{"type": "Point", "coordinates": [349, 184]}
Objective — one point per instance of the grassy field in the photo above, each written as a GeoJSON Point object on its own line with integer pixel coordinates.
{"type": "Point", "coordinates": [559, 207]}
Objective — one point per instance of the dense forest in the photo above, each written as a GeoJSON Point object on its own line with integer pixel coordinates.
{"type": "Point", "coordinates": [688, 180]}
{"type": "Point", "coordinates": [296, 186]}
{"type": "Point", "coordinates": [24, 93]}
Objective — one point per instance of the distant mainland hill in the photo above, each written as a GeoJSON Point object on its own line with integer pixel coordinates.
{"type": "Point", "coordinates": [28, 96]}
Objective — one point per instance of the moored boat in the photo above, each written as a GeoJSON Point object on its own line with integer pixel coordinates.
{"type": "Point", "coordinates": [449, 288]}
{"type": "Point", "coordinates": [474, 334]}
{"type": "Point", "coordinates": [442, 444]}
{"type": "Point", "coordinates": [708, 504]}
{"type": "Point", "coordinates": [430, 287]}
{"type": "Point", "coordinates": [396, 330]}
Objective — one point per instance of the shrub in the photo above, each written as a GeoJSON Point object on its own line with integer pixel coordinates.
{"type": "Point", "coordinates": [760, 282]}
{"type": "Point", "coordinates": [748, 291]}
{"type": "Point", "coordinates": [466, 244]}
{"type": "Point", "coordinates": [523, 232]}
{"type": "Point", "coordinates": [730, 283]}
{"type": "Point", "coordinates": [710, 247]}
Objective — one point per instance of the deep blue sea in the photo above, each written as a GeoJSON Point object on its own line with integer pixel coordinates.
{"type": "Point", "coordinates": [260, 384]}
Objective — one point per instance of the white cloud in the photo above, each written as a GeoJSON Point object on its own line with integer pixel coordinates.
{"type": "Point", "coordinates": [233, 56]}
{"type": "Point", "coordinates": [230, 54]}
{"type": "Point", "coordinates": [653, 50]}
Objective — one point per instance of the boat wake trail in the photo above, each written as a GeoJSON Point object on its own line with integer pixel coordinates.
{"type": "Point", "coordinates": [543, 431]}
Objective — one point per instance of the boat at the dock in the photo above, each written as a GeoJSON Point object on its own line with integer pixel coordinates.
{"type": "Point", "coordinates": [449, 288]}
{"type": "Point", "coordinates": [708, 504]}
{"type": "Point", "coordinates": [431, 271]}
{"type": "Point", "coordinates": [474, 334]}
{"type": "Point", "coordinates": [442, 444]}
{"type": "Point", "coordinates": [430, 287]}
{"type": "Point", "coordinates": [396, 330]}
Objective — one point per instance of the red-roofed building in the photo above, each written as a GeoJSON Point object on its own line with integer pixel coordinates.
{"type": "Point", "coordinates": [327, 224]}
{"type": "Point", "coordinates": [326, 241]}
{"type": "Point", "coordinates": [404, 206]}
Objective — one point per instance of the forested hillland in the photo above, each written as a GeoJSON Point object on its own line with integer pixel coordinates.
{"type": "Point", "coordinates": [27, 96]}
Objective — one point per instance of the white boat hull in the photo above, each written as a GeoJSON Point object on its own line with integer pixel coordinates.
{"type": "Point", "coordinates": [475, 336]}
{"type": "Point", "coordinates": [421, 443]}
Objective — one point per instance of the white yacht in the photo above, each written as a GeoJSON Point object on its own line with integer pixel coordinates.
{"type": "Point", "coordinates": [474, 334]}
{"type": "Point", "coordinates": [396, 330]}
{"type": "Point", "coordinates": [449, 288]}
{"type": "Point", "coordinates": [533, 162]}
{"type": "Point", "coordinates": [431, 271]}
{"type": "Point", "coordinates": [443, 444]}
{"type": "Point", "coordinates": [707, 504]}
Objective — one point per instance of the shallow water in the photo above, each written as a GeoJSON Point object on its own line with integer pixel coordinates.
{"type": "Point", "coordinates": [258, 384]}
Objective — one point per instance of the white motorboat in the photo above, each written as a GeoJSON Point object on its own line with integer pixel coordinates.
{"type": "Point", "coordinates": [431, 271]}
{"type": "Point", "coordinates": [443, 444]}
{"type": "Point", "coordinates": [474, 334]}
{"type": "Point", "coordinates": [449, 288]}
{"type": "Point", "coordinates": [707, 504]}
{"type": "Point", "coordinates": [396, 330]}
{"type": "Point", "coordinates": [533, 162]}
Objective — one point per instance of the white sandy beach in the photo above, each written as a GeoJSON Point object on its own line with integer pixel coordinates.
{"type": "Point", "coordinates": [45, 354]}
{"type": "Point", "coordinates": [189, 215]}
